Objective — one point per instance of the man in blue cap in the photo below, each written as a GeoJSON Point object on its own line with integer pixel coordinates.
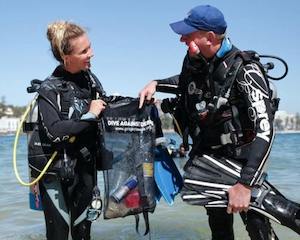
{"type": "Point", "coordinates": [225, 108]}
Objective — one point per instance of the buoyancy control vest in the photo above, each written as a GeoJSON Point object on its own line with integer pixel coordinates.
{"type": "Point", "coordinates": [71, 104]}
{"type": "Point", "coordinates": [226, 102]}
{"type": "Point", "coordinates": [208, 98]}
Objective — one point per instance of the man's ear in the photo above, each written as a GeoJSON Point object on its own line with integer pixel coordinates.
{"type": "Point", "coordinates": [211, 36]}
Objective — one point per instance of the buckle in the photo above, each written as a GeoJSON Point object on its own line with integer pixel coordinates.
{"type": "Point", "coordinates": [95, 208]}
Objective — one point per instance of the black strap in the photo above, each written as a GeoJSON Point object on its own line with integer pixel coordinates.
{"type": "Point", "coordinates": [210, 78]}
{"type": "Point", "coordinates": [96, 85]}
{"type": "Point", "coordinates": [137, 223]}
{"type": "Point", "coordinates": [236, 121]}
{"type": "Point", "coordinates": [231, 76]}
{"type": "Point", "coordinates": [147, 224]}
{"type": "Point", "coordinates": [226, 89]}
{"type": "Point", "coordinates": [29, 126]}
{"type": "Point", "coordinates": [185, 138]}
{"type": "Point", "coordinates": [248, 56]}
{"type": "Point", "coordinates": [65, 104]}
{"type": "Point", "coordinates": [51, 103]}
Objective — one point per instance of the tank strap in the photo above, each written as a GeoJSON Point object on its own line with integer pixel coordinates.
{"type": "Point", "coordinates": [65, 104]}
{"type": "Point", "coordinates": [225, 91]}
{"type": "Point", "coordinates": [232, 129]}
{"type": "Point", "coordinates": [97, 89]}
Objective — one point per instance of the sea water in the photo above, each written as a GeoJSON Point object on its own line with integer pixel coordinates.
{"type": "Point", "coordinates": [180, 221]}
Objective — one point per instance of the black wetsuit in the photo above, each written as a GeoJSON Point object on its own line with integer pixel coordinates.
{"type": "Point", "coordinates": [241, 129]}
{"type": "Point", "coordinates": [65, 198]}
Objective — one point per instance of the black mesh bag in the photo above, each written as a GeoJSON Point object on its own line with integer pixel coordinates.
{"type": "Point", "coordinates": [128, 148]}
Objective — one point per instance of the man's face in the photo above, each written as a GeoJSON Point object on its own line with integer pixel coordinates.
{"type": "Point", "coordinates": [197, 43]}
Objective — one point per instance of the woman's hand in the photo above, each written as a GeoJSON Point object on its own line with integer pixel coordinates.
{"type": "Point", "coordinates": [97, 106]}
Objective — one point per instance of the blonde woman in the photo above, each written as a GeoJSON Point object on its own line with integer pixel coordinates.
{"type": "Point", "coordinates": [68, 108]}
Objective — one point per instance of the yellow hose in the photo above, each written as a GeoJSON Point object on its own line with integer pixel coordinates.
{"type": "Point", "coordinates": [23, 118]}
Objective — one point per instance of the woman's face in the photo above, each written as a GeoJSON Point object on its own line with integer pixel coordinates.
{"type": "Point", "coordinates": [80, 57]}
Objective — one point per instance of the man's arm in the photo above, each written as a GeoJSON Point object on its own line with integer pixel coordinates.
{"type": "Point", "coordinates": [189, 65]}
{"type": "Point", "coordinates": [149, 90]}
{"type": "Point", "coordinates": [254, 89]}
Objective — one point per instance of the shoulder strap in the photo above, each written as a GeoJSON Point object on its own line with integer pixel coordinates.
{"type": "Point", "coordinates": [35, 87]}
{"type": "Point", "coordinates": [250, 56]}
{"type": "Point", "coordinates": [231, 76]}
{"type": "Point", "coordinates": [225, 91]}
{"type": "Point", "coordinates": [97, 88]}
{"type": "Point", "coordinates": [65, 100]}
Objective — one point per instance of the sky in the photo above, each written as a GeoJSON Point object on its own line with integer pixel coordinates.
{"type": "Point", "coordinates": [133, 43]}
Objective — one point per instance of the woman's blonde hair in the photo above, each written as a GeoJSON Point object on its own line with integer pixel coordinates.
{"type": "Point", "coordinates": [59, 34]}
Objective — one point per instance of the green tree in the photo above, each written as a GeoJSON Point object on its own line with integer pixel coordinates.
{"type": "Point", "coordinates": [18, 111]}
{"type": "Point", "coordinates": [2, 106]}
{"type": "Point", "coordinates": [278, 123]}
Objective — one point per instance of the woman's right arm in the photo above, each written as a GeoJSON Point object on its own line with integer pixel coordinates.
{"type": "Point", "coordinates": [56, 128]}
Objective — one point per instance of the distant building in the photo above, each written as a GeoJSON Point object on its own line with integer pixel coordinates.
{"type": "Point", "coordinates": [8, 111]}
{"type": "Point", "coordinates": [285, 121]}
{"type": "Point", "coordinates": [9, 124]}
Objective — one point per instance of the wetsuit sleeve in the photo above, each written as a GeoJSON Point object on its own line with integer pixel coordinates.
{"type": "Point", "coordinates": [255, 92]}
{"type": "Point", "coordinates": [57, 129]}
{"type": "Point", "coordinates": [170, 80]}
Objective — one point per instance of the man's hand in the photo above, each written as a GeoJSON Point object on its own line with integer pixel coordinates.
{"type": "Point", "coordinates": [147, 92]}
{"type": "Point", "coordinates": [238, 198]}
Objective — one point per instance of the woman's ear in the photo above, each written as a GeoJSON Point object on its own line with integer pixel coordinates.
{"type": "Point", "coordinates": [65, 60]}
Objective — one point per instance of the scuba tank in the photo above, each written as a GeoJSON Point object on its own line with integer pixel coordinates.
{"type": "Point", "coordinates": [29, 125]}
{"type": "Point", "coordinates": [35, 201]}
{"type": "Point", "coordinates": [40, 151]}
{"type": "Point", "coordinates": [28, 122]}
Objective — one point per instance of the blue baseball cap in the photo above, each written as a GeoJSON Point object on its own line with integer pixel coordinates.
{"type": "Point", "coordinates": [203, 17]}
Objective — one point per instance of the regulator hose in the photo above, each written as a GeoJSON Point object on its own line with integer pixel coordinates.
{"type": "Point", "coordinates": [23, 118]}
{"type": "Point", "coordinates": [270, 65]}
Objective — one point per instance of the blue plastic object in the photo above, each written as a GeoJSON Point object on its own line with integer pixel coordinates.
{"type": "Point", "coordinates": [166, 175]}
